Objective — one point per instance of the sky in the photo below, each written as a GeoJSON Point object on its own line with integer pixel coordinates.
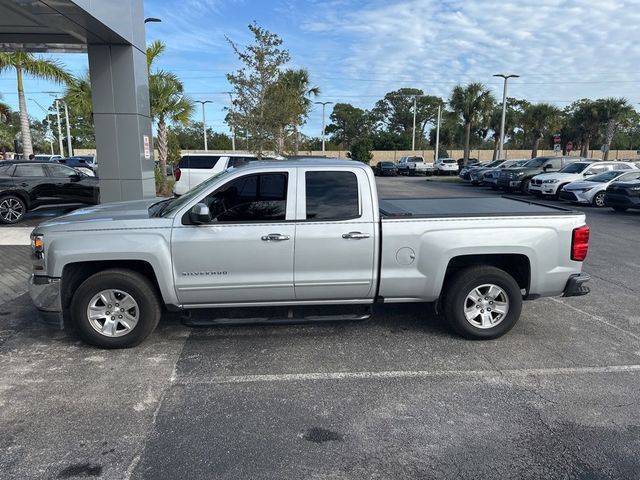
{"type": "Point", "coordinates": [357, 50]}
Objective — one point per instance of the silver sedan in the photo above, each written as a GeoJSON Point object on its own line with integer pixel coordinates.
{"type": "Point", "coordinates": [592, 189]}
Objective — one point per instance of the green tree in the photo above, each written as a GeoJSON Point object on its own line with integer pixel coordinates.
{"type": "Point", "coordinates": [472, 104]}
{"type": "Point", "coordinates": [27, 64]}
{"type": "Point", "coordinates": [582, 124]}
{"type": "Point", "coordinates": [261, 61]}
{"type": "Point", "coordinates": [614, 113]}
{"type": "Point", "coordinates": [541, 120]}
{"type": "Point", "coordinates": [168, 105]}
{"type": "Point", "coordinates": [361, 149]}
{"type": "Point", "coordinates": [347, 123]}
{"type": "Point", "coordinates": [298, 86]}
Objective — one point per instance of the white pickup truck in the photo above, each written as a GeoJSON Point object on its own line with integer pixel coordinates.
{"type": "Point", "coordinates": [296, 234]}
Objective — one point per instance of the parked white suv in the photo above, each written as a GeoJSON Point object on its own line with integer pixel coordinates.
{"type": "Point", "coordinates": [446, 166]}
{"type": "Point", "coordinates": [551, 184]}
{"type": "Point", "coordinates": [195, 168]}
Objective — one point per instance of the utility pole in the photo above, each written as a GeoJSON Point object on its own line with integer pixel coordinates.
{"type": "Point", "coordinates": [437, 152]}
{"type": "Point", "coordinates": [66, 116]}
{"type": "Point", "coordinates": [59, 127]}
{"type": "Point", "coordinates": [504, 111]}
{"type": "Point", "coordinates": [204, 123]}
{"type": "Point", "coordinates": [323, 107]}
{"type": "Point", "coordinates": [413, 140]}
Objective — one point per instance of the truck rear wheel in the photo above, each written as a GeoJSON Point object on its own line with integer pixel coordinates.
{"type": "Point", "coordinates": [115, 308]}
{"type": "Point", "coordinates": [482, 302]}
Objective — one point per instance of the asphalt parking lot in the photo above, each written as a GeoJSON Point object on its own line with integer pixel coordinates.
{"type": "Point", "coordinates": [395, 397]}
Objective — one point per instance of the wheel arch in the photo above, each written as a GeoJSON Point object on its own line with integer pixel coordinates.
{"type": "Point", "coordinates": [515, 264]}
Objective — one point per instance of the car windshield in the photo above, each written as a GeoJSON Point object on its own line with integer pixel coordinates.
{"type": "Point", "coordinates": [170, 205]}
{"type": "Point", "coordinates": [574, 168]}
{"type": "Point", "coordinates": [606, 176]}
{"type": "Point", "coordinates": [386, 164]}
{"type": "Point", "coordinates": [449, 161]}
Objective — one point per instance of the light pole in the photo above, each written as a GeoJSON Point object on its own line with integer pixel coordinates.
{"type": "Point", "coordinates": [204, 124]}
{"type": "Point", "coordinates": [66, 116]}
{"type": "Point", "coordinates": [437, 154]}
{"type": "Point", "coordinates": [324, 104]}
{"type": "Point", "coordinates": [504, 110]}
{"type": "Point", "coordinates": [413, 137]}
{"type": "Point", "coordinates": [233, 129]}
{"type": "Point", "coordinates": [59, 127]}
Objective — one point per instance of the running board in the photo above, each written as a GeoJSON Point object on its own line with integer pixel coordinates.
{"type": "Point", "coordinates": [289, 317]}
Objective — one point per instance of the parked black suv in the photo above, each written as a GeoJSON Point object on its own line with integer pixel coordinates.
{"type": "Point", "coordinates": [519, 178]}
{"type": "Point", "coordinates": [30, 185]}
{"type": "Point", "coordinates": [623, 195]}
{"type": "Point", "coordinates": [385, 169]}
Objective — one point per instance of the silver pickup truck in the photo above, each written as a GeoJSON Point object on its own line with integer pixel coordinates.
{"type": "Point", "coordinates": [296, 234]}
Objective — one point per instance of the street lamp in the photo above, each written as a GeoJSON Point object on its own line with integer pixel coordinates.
{"type": "Point", "coordinates": [324, 104]}
{"type": "Point", "coordinates": [233, 129]}
{"type": "Point", "coordinates": [204, 124]}
{"type": "Point", "coordinates": [504, 110]}
{"type": "Point", "coordinates": [152, 20]}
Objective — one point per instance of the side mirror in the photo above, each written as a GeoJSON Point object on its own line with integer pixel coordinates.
{"type": "Point", "coordinates": [76, 177]}
{"type": "Point", "coordinates": [588, 174]}
{"type": "Point", "coordinates": [546, 167]}
{"type": "Point", "coordinates": [199, 214]}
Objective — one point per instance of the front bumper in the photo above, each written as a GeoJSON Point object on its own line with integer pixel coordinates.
{"type": "Point", "coordinates": [576, 285]}
{"type": "Point", "coordinates": [575, 196]}
{"type": "Point", "coordinates": [45, 294]}
{"type": "Point", "coordinates": [618, 200]}
{"type": "Point", "coordinates": [509, 183]}
{"type": "Point", "coordinates": [544, 189]}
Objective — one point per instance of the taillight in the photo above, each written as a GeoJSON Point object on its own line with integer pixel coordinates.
{"type": "Point", "coordinates": [580, 244]}
{"type": "Point", "coordinates": [177, 173]}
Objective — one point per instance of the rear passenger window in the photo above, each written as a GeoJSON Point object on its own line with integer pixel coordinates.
{"type": "Point", "coordinates": [25, 170]}
{"type": "Point", "coordinates": [332, 196]}
{"type": "Point", "coordinates": [198, 161]}
{"type": "Point", "coordinates": [554, 164]}
{"type": "Point", "coordinates": [5, 170]}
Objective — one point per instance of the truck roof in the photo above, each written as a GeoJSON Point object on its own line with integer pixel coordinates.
{"type": "Point", "coordinates": [304, 162]}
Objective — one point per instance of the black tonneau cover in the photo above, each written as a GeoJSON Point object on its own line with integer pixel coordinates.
{"type": "Point", "coordinates": [465, 207]}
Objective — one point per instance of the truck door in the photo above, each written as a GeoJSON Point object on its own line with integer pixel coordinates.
{"type": "Point", "coordinates": [335, 235]}
{"type": "Point", "coordinates": [245, 254]}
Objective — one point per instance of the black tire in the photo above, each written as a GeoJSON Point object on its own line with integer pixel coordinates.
{"type": "Point", "coordinates": [598, 199]}
{"type": "Point", "coordinates": [620, 209]}
{"type": "Point", "coordinates": [524, 186]}
{"type": "Point", "coordinates": [137, 286]}
{"type": "Point", "coordinates": [464, 282]}
{"type": "Point", "coordinates": [12, 209]}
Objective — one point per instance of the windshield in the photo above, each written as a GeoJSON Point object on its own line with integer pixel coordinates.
{"type": "Point", "coordinates": [606, 176]}
{"type": "Point", "coordinates": [574, 168]}
{"type": "Point", "coordinates": [449, 161]}
{"type": "Point", "coordinates": [177, 203]}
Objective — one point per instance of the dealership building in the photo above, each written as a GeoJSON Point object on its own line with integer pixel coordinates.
{"type": "Point", "coordinates": [111, 33]}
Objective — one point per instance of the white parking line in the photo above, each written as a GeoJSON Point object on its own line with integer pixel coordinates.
{"type": "Point", "coordinates": [518, 372]}
{"type": "Point", "coordinates": [15, 235]}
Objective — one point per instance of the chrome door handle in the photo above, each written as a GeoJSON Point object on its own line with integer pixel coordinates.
{"type": "Point", "coordinates": [275, 237]}
{"type": "Point", "coordinates": [355, 235]}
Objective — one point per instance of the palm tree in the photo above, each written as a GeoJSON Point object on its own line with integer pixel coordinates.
{"type": "Point", "coordinates": [614, 112]}
{"type": "Point", "coordinates": [27, 63]}
{"type": "Point", "coordinates": [297, 82]}
{"type": "Point", "coordinates": [472, 104]}
{"type": "Point", "coordinates": [584, 119]}
{"type": "Point", "coordinates": [540, 119]}
{"type": "Point", "coordinates": [78, 96]}
{"type": "Point", "coordinates": [168, 105]}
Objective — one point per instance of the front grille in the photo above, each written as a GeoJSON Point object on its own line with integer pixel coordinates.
{"type": "Point", "coordinates": [536, 182]}
{"type": "Point", "coordinates": [506, 175]}
{"type": "Point", "coordinates": [568, 196]}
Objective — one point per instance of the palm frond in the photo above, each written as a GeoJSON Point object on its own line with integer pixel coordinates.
{"type": "Point", "coordinates": [45, 68]}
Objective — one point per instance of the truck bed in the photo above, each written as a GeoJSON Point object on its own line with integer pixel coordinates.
{"type": "Point", "coordinates": [465, 207]}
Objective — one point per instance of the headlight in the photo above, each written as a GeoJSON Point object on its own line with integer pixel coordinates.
{"type": "Point", "coordinates": [635, 189]}
{"type": "Point", "coordinates": [520, 174]}
{"type": "Point", "coordinates": [37, 246]}
{"type": "Point", "coordinates": [552, 180]}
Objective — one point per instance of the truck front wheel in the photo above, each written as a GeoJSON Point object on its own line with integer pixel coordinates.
{"type": "Point", "coordinates": [115, 308]}
{"type": "Point", "coordinates": [482, 302]}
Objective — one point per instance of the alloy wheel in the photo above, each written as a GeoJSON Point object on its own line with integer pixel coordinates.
{"type": "Point", "coordinates": [113, 313]}
{"type": "Point", "coordinates": [486, 306]}
{"type": "Point", "coordinates": [11, 210]}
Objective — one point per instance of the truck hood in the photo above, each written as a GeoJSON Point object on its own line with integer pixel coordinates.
{"type": "Point", "coordinates": [106, 216]}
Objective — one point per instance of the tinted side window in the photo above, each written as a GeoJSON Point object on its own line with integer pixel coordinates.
{"type": "Point", "coordinates": [5, 170]}
{"type": "Point", "coordinates": [554, 164]}
{"type": "Point", "coordinates": [198, 161]}
{"type": "Point", "coordinates": [252, 198]}
{"type": "Point", "coordinates": [60, 171]}
{"type": "Point", "coordinates": [621, 166]}
{"type": "Point", "coordinates": [239, 161]}
{"type": "Point", "coordinates": [596, 169]}
{"type": "Point", "coordinates": [25, 170]}
{"type": "Point", "coordinates": [332, 195]}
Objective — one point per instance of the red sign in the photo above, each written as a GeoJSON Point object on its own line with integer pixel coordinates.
{"type": "Point", "coordinates": [556, 139]}
{"type": "Point", "coordinates": [569, 146]}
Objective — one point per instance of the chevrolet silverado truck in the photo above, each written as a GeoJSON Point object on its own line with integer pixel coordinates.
{"type": "Point", "coordinates": [299, 234]}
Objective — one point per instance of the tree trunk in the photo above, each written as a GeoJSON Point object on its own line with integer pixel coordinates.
{"type": "Point", "coordinates": [296, 139]}
{"type": "Point", "coordinates": [496, 142]}
{"type": "Point", "coordinates": [279, 146]}
{"type": "Point", "coordinates": [162, 154]}
{"type": "Point", "coordinates": [25, 132]}
{"type": "Point", "coordinates": [536, 142]}
{"type": "Point", "coordinates": [467, 138]}
{"type": "Point", "coordinates": [584, 151]}
{"type": "Point", "coordinates": [611, 130]}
